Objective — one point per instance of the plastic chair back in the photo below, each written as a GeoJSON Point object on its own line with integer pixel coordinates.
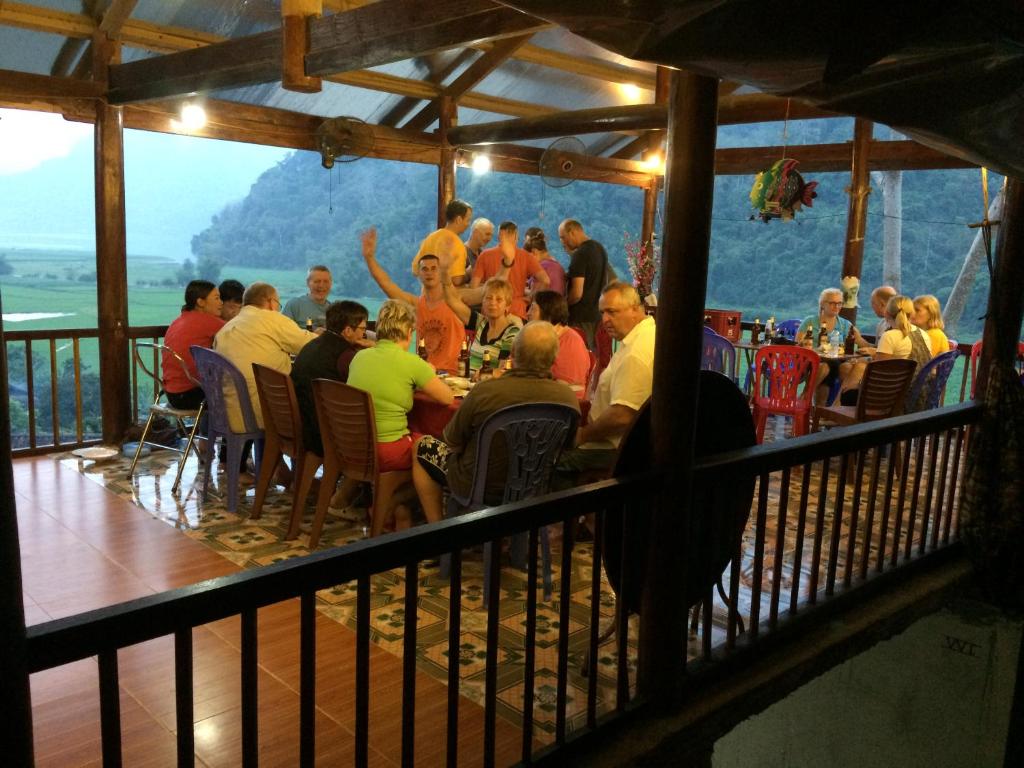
{"type": "Point", "coordinates": [788, 328]}
{"type": "Point", "coordinates": [929, 384]}
{"type": "Point", "coordinates": [784, 382]}
{"type": "Point", "coordinates": [534, 436]}
{"type": "Point", "coordinates": [717, 354]}
{"type": "Point", "coordinates": [280, 407]}
{"type": "Point", "coordinates": [348, 429]}
{"type": "Point", "coordinates": [884, 388]}
{"type": "Point", "coordinates": [218, 375]}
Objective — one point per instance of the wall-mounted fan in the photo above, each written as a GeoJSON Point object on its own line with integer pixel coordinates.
{"type": "Point", "coordinates": [560, 163]}
{"type": "Point", "coordinates": [342, 140]}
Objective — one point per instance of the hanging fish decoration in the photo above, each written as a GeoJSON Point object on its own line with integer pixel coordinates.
{"type": "Point", "coordinates": [781, 191]}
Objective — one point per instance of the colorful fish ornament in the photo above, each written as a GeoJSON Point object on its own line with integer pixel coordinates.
{"type": "Point", "coordinates": [780, 191]}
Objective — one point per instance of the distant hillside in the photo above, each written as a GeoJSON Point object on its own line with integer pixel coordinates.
{"type": "Point", "coordinates": [286, 222]}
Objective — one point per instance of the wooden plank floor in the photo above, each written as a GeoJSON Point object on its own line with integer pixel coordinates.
{"type": "Point", "coordinates": [83, 547]}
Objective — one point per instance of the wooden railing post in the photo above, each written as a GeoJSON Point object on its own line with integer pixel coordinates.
{"type": "Point", "coordinates": [16, 724]}
{"type": "Point", "coordinates": [857, 212]}
{"type": "Point", "coordinates": [689, 189]}
{"type": "Point", "coordinates": [111, 257]}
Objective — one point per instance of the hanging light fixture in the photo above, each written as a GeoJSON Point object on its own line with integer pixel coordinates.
{"type": "Point", "coordinates": [481, 163]}
{"type": "Point", "coordinates": [191, 118]}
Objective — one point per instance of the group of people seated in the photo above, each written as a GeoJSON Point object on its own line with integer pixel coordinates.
{"type": "Point", "coordinates": [504, 302]}
{"type": "Point", "coordinates": [907, 328]}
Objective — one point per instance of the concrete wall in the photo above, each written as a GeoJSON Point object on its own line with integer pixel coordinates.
{"type": "Point", "coordinates": [936, 696]}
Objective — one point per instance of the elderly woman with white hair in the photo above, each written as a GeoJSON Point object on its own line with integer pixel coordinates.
{"type": "Point", "coordinates": [830, 301]}
{"type": "Point", "coordinates": [391, 374]}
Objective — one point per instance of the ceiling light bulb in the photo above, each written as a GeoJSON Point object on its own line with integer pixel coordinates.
{"type": "Point", "coordinates": [653, 161]}
{"type": "Point", "coordinates": [631, 92]}
{"type": "Point", "coordinates": [481, 164]}
{"type": "Point", "coordinates": [193, 117]}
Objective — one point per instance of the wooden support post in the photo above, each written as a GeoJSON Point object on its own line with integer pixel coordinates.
{"type": "Point", "coordinates": [689, 191]}
{"type": "Point", "coordinates": [295, 16]}
{"type": "Point", "coordinates": [857, 212]}
{"type": "Point", "coordinates": [1006, 292]}
{"type": "Point", "coordinates": [446, 168]}
{"type": "Point", "coordinates": [655, 144]}
{"type": "Point", "coordinates": [16, 723]}
{"type": "Point", "coordinates": [111, 258]}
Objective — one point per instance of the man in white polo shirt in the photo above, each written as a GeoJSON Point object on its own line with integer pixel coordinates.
{"type": "Point", "coordinates": [624, 386]}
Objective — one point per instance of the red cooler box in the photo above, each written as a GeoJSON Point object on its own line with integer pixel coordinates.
{"type": "Point", "coordinates": [724, 322]}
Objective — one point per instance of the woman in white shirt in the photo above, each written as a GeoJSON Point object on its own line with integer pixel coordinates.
{"type": "Point", "coordinates": [903, 340]}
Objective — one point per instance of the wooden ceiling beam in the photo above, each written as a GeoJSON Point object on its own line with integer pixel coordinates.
{"type": "Point", "coordinates": [400, 29]}
{"type": "Point", "coordinates": [23, 86]}
{"type": "Point", "coordinates": [586, 66]}
{"type": "Point", "coordinates": [361, 38]}
{"type": "Point", "coordinates": [510, 158]}
{"type": "Point", "coordinates": [436, 76]}
{"type": "Point", "coordinates": [836, 158]}
{"type": "Point", "coordinates": [469, 79]}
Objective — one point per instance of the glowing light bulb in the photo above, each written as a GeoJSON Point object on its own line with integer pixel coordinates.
{"type": "Point", "coordinates": [193, 117]}
{"type": "Point", "coordinates": [631, 92]}
{"type": "Point", "coordinates": [481, 164]}
{"type": "Point", "coordinates": [655, 163]}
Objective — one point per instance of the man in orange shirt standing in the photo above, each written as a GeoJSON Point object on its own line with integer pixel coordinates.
{"type": "Point", "coordinates": [445, 242]}
{"type": "Point", "coordinates": [521, 266]}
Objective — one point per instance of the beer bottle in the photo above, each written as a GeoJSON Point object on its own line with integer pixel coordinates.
{"type": "Point", "coordinates": [849, 342]}
{"type": "Point", "coordinates": [769, 330]}
{"type": "Point", "coordinates": [822, 337]}
{"type": "Point", "coordinates": [755, 331]}
{"type": "Point", "coordinates": [309, 324]}
{"type": "Point", "coordinates": [464, 359]}
{"type": "Point", "coordinates": [808, 340]}
{"type": "Point", "coordinates": [421, 349]}
{"type": "Point", "coordinates": [486, 371]}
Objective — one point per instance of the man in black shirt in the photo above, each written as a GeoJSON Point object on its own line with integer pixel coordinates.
{"type": "Point", "coordinates": [327, 357]}
{"type": "Point", "coordinates": [588, 263]}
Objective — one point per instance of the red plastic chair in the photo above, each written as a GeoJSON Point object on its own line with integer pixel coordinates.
{"type": "Point", "coordinates": [976, 357]}
{"type": "Point", "coordinates": [784, 380]}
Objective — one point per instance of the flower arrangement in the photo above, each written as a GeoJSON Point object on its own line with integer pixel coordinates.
{"type": "Point", "coordinates": [642, 259]}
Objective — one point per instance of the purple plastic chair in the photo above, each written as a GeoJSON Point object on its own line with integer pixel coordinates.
{"type": "Point", "coordinates": [718, 354]}
{"type": "Point", "coordinates": [788, 328]}
{"type": "Point", "coordinates": [217, 374]}
{"type": "Point", "coordinates": [534, 436]}
{"type": "Point", "coordinates": [930, 382]}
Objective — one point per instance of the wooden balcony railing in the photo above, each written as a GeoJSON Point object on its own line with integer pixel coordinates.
{"type": "Point", "coordinates": [899, 508]}
{"type": "Point", "coordinates": [50, 390]}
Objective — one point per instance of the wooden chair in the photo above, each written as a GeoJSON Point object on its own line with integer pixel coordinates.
{"type": "Point", "coordinates": [282, 422]}
{"type": "Point", "coordinates": [784, 381]}
{"type": "Point", "coordinates": [350, 448]}
{"type": "Point", "coordinates": [160, 407]}
{"type": "Point", "coordinates": [882, 393]}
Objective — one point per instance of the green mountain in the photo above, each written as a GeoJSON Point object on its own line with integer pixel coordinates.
{"type": "Point", "coordinates": [298, 214]}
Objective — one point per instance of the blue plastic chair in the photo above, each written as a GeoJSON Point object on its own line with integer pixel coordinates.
{"type": "Point", "coordinates": [929, 384]}
{"type": "Point", "coordinates": [718, 354]}
{"type": "Point", "coordinates": [788, 328]}
{"type": "Point", "coordinates": [217, 374]}
{"type": "Point", "coordinates": [534, 436]}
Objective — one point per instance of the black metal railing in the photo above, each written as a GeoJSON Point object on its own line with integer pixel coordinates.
{"type": "Point", "coordinates": [899, 506]}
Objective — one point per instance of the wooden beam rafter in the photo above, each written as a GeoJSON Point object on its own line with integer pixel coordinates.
{"type": "Point", "coordinates": [469, 79]}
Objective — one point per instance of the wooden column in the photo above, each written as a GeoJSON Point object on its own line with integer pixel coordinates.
{"type": "Point", "coordinates": [857, 213]}
{"type": "Point", "coordinates": [446, 168]}
{"type": "Point", "coordinates": [16, 723]}
{"type": "Point", "coordinates": [656, 142]}
{"type": "Point", "coordinates": [689, 191]}
{"type": "Point", "coordinates": [111, 259]}
{"type": "Point", "coordinates": [1006, 292]}
{"type": "Point", "coordinates": [295, 16]}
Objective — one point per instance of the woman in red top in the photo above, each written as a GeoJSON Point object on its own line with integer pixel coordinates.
{"type": "Point", "coordinates": [198, 322]}
{"type": "Point", "coordinates": [572, 365]}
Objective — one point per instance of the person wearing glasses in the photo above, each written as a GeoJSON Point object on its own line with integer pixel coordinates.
{"type": "Point", "coordinates": [259, 334]}
{"type": "Point", "coordinates": [327, 357]}
{"type": "Point", "coordinates": [830, 301]}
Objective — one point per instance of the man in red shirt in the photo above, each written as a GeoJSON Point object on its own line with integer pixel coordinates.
{"type": "Point", "coordinates": [521, 267]}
